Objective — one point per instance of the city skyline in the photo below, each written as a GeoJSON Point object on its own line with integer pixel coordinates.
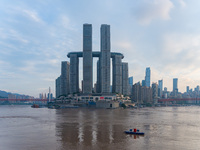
{"type": "Point", "coordinates": [162, 35]}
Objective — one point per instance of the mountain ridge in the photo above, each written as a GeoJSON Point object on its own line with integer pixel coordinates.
{"type": "Point", "coordinates": [4, 94]}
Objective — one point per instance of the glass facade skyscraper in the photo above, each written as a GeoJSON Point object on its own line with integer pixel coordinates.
{"type": "Point", "coordinates": [130, 80]}
{"type": "Point", "coordinates": [160, 87]}
{"type": "Point", "coordinates": [148, 77]}
{"type": "Point", "coordinates": [175, 84]}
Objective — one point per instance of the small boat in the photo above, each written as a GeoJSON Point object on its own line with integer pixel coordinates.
{"type": "Point", "coordinates": [136, 132]}
{"type": "Point", "coordinates": [35, 106]}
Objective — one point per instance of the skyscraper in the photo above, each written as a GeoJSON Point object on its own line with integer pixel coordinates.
{"type": "Point", "coordinates": [187, 89]}
{"type": "Point", "coordinates": [148, 77]}
{"type": "Point", "coordinates": [130, 80]}
{"type": "Point", "coordinates": [125, 79]}
{"type": "Point", "coordinates": [58, 87]}
{"type": "Point", "coordinates": [74, 74]}
{"type": "Point", "coordinates": [160, 88]}
{"type": "Point", "coordinates": [136, 93]}
{"type": "Point", "coordinates": [87, 59]}
{"type": "Point", "coordinates": [143, 83]}
{"type": "Point", "coordinates": [117, 74]}
{"type": "Point", "coordinates": [64, 79]}
{"type": "Point", "coordinates": [175, 84]}
{"type": "Point", "coordinates": [105, 59]}
{"type": "Point", "coordinates": [155, 92]}
{"type": "Point", "coordinates": [98, 89]}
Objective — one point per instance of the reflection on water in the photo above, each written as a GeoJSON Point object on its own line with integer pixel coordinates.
{"type": "Point", "coordinates": [90, 128]}
{"type": "Point", "coordinates": [22, 127]}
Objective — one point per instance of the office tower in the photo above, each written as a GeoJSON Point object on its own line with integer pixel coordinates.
{"type": "Point", "coordinates": [87, 59]}
{"type": "Point", "coordinates": [64, 79]}
{"type": "Point", "coordinates": [125, 78]}
{"type": "Point", "coordinates": [148, 77]}
{"type": "Point", "coordinates": [58, 87]}
{"type": "Point", "coordinates": [74, 74]}
{"type": "Point", "coordinates": [175, 87]}
{"type": "Point", "coordinates": [117, 74]}
{"type": "Point", "coordinates": [143, 82]}
{"type": "Point", "coordinates": [187, 89]}
{"type": "Point", "coordinates": [130, 80]}
{"type": "Point", "coordinates": [175, 84]}
{"type": "Point", "coordinates": [105, 59]}
{"type": "Point", "coordinates": [160, 88]}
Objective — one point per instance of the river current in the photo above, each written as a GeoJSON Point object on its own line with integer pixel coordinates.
{"type": "Point", "coordinates": [165, 128]}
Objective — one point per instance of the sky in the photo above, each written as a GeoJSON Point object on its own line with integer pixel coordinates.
{"type": "Point", "coordinates": [36, 35]}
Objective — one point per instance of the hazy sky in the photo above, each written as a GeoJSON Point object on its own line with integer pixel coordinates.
{"type": "Point", "coordinates": [36, 35]}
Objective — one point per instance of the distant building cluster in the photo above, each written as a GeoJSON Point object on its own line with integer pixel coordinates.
{"type": "Point", "coordinates": [146, 94]}
{"type": "Point", "coordinates": [68, 82]}
{"type": "Point", "coordinates": [18, 96]}
{"type": "Point", "coordinates": [45, 96]}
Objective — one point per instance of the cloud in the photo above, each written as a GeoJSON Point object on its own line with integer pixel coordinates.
{"type": "Point", "coordinates": [179, 57]}
{"type": "Point", "coordinates": [123, 45]}
{"type": "Point", "coordinates": [146, 11]}
{"type": "Point", "coordinates": [177, 43]}
{"type": "Point", "coordinates": [32, 15]}
{"type": "Point", "coordinates": [182, 3]}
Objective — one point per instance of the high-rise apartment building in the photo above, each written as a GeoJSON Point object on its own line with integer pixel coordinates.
{"type": "Point", "coordinates": [58, 87]}
{"type": "Point", "coordinates": [148, 77]}
{"type": "Point", "coordinates": [141, 94]}
{"type": "Point", "coordinates": [136, 93]}
{"type": "Point", "coordinates": [117, 74]}
{"type": "Point", "coordinates": [146, 95]}
{"type": "Point", "coordinates": [105, 59]}
{"type": "Point", "coordinates": [64, 78]}
{"type": "Point", "coordinates": [155, 92]}
{"type": "Point", "coordinates": [125, 84]}
{"type": "Point", "coordinates": [74, 74]}
{"type": "Point", "coordinates": [87, 59]}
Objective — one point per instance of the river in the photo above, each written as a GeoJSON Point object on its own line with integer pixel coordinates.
{"type": "Point", "coordinates": [166, 128]}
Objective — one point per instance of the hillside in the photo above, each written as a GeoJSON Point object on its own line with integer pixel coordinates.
{"type": "Point", "coordinates": [3, 94]}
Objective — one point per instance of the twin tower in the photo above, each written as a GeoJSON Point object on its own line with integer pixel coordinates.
{"type": "Point", "coordinates": [119, 72]}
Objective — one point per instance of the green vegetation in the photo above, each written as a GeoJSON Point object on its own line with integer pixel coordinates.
{"type": "Point", "coordinates": [123, 105]}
